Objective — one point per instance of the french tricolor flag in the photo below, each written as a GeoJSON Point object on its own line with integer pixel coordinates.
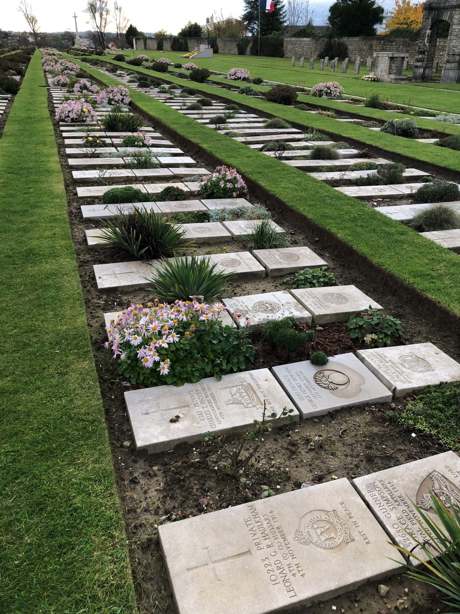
{"type": "Point", "coordinates": [268, 6]}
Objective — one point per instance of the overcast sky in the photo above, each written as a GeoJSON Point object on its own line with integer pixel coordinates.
{"type": "Point", "coordinates": [146, 15]}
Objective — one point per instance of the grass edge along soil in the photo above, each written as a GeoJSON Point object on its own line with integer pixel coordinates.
{"type": "Point", "coordinates": [395, 248]}
{"type": "Point", "coordinates": [64, 547]}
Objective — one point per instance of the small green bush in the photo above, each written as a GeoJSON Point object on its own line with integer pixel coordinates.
{"type": "Point", "coordinates": [285, 334]}
{"type": "Point", "coordinates": [135, 61]}
{"type": "Point", "coordinates": [232, 108]}
{"type": "Point", "coordinates": [314, 278]}
{"type": "Point", "coordinates": [9, 85]}
{"type": "Point", "coordinates": [373, 328]}
{"type": "Point", "coordinates": [194, 106]}
{"type": "Point", "coordinates": [183, 278]}
{"type": "Point", "coordinates": [453, 142]}
{"type": "Point", "coordinates": [200, 75]}
{"type": "Point", "coordinates": [437, 192]}
{"type": "Point", "coordinates": [436, 218]}
{"type": "Point", "coordinates": [142, 159]}
{"type": "Point", "coordinates": [265, 236]}
{"type": "Point", "coordinates": [324, 152]}
{"type": "Point", "coordinates": [160, 66]}
{"type": "Point", "coordinates": [277, 122]}
{"type": "Point", "coordinates": [257, 81]}
{"type": "Point", "coordinates": [319, 359]}
{"type": "Point", "coordinates": [188, 91]}
{"type": "Point", "coordinates": [364, 166]}
{"type": "Point", "coordinates": [390, 173]}
{"type": "Point", "coordinates": [282, 94]}
{"type": "Point", "coordinates": [218, 119]}
{"type": "Point", "coordinates": [205, 102]}
{"type": "Point", "coordinates": [133, 140]}
{"type": "Point", "coordinates": [143, 234]}
{"type": "Point", "coordinates": [374, 102]}
{"type": "Point", "coordinates": [172, 193]}
{"type": "Point", "coordinates": [247, 91]}
{"type": "Point", "coordinates": [124, 195]}
{"type": "Point", "coordinates": [401, 127]}
{"type": "Point", "coordinates": [121, 122]}
{"type": "Point", "coordinates": [119, 57]}
{"type": "Point", "coordinates": [280, 146]}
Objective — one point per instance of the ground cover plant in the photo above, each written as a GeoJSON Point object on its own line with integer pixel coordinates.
{"type": "Point", "coordinates": [437, 192]}
{"type": "Point", "coordinates": [372, 328]}
{"type": "Point", "coordinates": [60, 520]}
{"type": "Point", "coordinates": [124, 195]}
{"type": "Point", "coordinates": [224, 182]}
{"type": "Point", "coordinates": [313, 278]}
{"type": "Point", "coordinates": [401, 127]}
{"type": "Point", "coordinates": [175, 344]}
{"type": "Point", "coordinates": [265, 236]}
{"type": "Point", "coordinates": [436, 218]}
{"type": "Point", "coordinates": [282, 94]}
{"type": "Point", "coordinates": [121, 122]}
{"type": "Point", "coordinates": [324, 152]}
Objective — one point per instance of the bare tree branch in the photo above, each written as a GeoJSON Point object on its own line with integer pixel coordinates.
{"type": "Point", "coordinates": [121, 21]}
{"type": "Point", "coordinates": [298, 12]}
{"type": "Point", "coordinates": [99, 11]}
{"type": "Point", "coordinates": [26, 11]}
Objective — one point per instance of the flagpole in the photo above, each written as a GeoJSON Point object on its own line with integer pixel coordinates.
{"type": "Point", "coordinates": [258, 33]}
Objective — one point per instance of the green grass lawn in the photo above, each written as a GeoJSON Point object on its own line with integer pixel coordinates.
{"type": "Point", "coordinates": [394, 247]}
{"type": "Point", "coordinates": [442, 97]}
{"type": "Point", "coordinates": [410, 148]}
{"type": "Point", "coordinates": [63, 547]}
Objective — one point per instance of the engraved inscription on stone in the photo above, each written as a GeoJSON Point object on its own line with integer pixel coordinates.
{"type": "Point", "coordinates": [255, 309]}
{"type": "Point", "coordinates": [324, 529]}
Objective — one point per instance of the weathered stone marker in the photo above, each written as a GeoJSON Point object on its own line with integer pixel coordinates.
{"type": "Point", "coordinates": [275, 553]}
{"type": "Point", "coordinates": [279, 261]}
{"type": "Point", "coordinates": [256, 309]}
{"type": "Point", "coordinates": [393, 493]}
{"type": "Point", "coordinates": [342, 382]}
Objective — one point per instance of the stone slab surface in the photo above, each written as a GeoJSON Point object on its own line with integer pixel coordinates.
{"type": "Point", "coordinates": [340, 163]}
{"type": "Point", "coordinates": [335, 303]}
{"type": "Point", "coordinates": [446, 238]}
{"type": "Point", "coordinates": [352, 175]}
{"type": "Point", "coordinates": [108, 211]}
{"type": "Point", "coordinates": [405, 213]}
{"type": "Point", "coordinates": [392, 494]}
{"type": "Point", "coordinates": [238, 263]}
{"type": "Point", "coordinates": [245, 228]}
{"type": "Point", "coordinates": [381, 191]}
{"type": "Point", "coordinates": [180, 206]}
{"type": "Point", "coordinates": [405, 368]}
{"type": "Point", "coordinates": [225, 203]}
{"type": "Point", "coordinates": [256, 309]}
{"type": "Point", "coordinates": [268, 555]}
{"type": "Point", "coordinates": [208, 231]}
{"type": "Point", "coordinates": [280, 261]}
{"type": "Point", "coordinates": [95, 162]}
{"type": "Point", "coordinates": [123, 274]}
{"type": "Point", "coordinates": [209, 406]}
{"type": "Point", "coordinates": [344, 381]}
{"type": "Point", "coordinates": [94, 191]}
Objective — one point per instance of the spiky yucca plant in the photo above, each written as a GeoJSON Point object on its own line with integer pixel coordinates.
{"type": "Point", "coordinates": [186, 277]}
{"type": "Point", "coordinates": [265, 236]}
{"type": "Point", "coordinates": [440, 564]}
{"type": "Point", "coordinates": [143, 234]}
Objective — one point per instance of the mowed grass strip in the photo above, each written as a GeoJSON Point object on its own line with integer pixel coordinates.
{"type": "Point", "coordinates": [63, 547]}
{"type": "Point", "coordinates": [444, 97]}
{"type": "Point", "coordinates": [394, 247]}
{"type": "Point", "coordinates": [442, 157]}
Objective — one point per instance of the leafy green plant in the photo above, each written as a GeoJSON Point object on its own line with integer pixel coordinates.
{"type": "Point", "coordinates": [452, 141]}
{"type": "Point", "coordinates": [277, 146]}
{"type": "Point", "coordinates": [251, 212]}
{"type": "Point", "coordinates": [282, 94]}
{"type": "Point", "coordinates": [172, 193]}
{"type": "Point", "coordinates": [257, 80]}
{"type": "Point", "coordinates": [189, 276]}
{"type": "Point", "coordinates": [160, 66]}
{"type": "Point", "coordinates": [324, 152]}
{"type": "Point", "coordinates": [142, 159]}
{"type": "Point", "coordinates": [319, 359]}
{"type": "Point", "coordinates": [205, 102]}
{"type": "Point", "coordinates": [437, 551]}
{"type": "Point", "coordinates": [218, 119]}
{"type": "Point", "coordinates": [277, 122]}
{"type": "Point", "coordinates": [143, 234]}
{"type": "Point", "coordinates": [127, 194]}
{"type": "Point", "coordinates": [401, 127]}
{"type": "Point", "coordinates": [8, 85]}
{"type": "Point", "coordinates": [438, 217]}
{"type": "Point", "coordinates": [364, 166]}
{"type": "Point", "coordinates": [314, 278]}
{"type": "Point", "coordinates": [194, 106]}
{"type": "Point", "coordinates": [119, 57]}
{"type": "Point", "coordinates": [373, 328]}
{"type": "Point", "coordinates": [200, 75]}
{"type": "Point", "coordinates": [121, 122]}
{"type": "Point", "coordinates": [374, 102]}
{"type": "Point", "coordinates": [232, 108]}
{"type": "Point", "coordinates": [248, 91]}
{"type": "Point", "coordinates": [315, 135]}
{"type": "Point", "coordinates": [133, 140]}
{"type": "Point", "coordinates": [265, 236]}
{"type": "Point", "coordinates": [437, 192]}
{"type": "Point", "coordinates": [387, 174]}
{"type": "Point", "coordinates": [286, 335]}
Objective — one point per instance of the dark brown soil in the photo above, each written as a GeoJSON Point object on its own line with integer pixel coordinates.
{"type": "Point", "coordinates": [195, 479]}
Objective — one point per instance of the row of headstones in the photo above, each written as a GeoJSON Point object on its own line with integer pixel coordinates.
{"type": "Point", "coordinates": [333, 64]}
{"type": "Point", "coordinates": [307, 545]}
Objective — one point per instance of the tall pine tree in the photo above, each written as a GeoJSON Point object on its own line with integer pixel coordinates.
{"type": "Point", "coordinates": [271, 23]}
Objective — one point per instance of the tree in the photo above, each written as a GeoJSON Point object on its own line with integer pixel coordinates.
{"type": "Point", "coordinates": [270, 22]}
{"type": "Point", "coordinates": [26, 11]}
{"type": "Point", "coordinates": [121, 21]}
{"type": "Point", "coordinates": [131, 33]}
{"type": "Point", "coordinates": [225, 27]}
{"type": "Point", "coordinates": [298, 12]}
{"type": "Point", "coordinates": [355, 17]}
{"type": "Point", "coordinates": [406, 16]}
{"type": "Point", "coordinates": [98, 10]}
{"type": "Point", "coordinates": [191, 30]}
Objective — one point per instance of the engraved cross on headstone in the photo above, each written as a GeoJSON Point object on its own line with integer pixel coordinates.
{"type": "Point", "coordinates": [212, 563]}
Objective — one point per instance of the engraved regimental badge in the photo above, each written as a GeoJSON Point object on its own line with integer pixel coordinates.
{"type": "Point", "coordinates": [437, 484]}
{"type": "Point", "coordinates": [324, 529]}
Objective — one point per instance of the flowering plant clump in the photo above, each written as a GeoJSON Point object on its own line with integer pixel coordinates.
{"type": "Point", "coordinates": [78, 110]}
{"type": "Point", "coordinates": [329, 89]}
{"type": "Point", "coordinates": [142, 58]}
{"type": "Point", "coordinates": [84, 85]}
{"type": "Point", "coordinates": [370, 77]}
{"type": "Point", "coordinates": [137, 140]}
{"type": "Point", "coordinates": [113, 96]}
{"type": "Point", "coordinates": [238, 74]}
{"type": "Point", "coordinates": [189, 66]}
{"type": "Point", "coordinates": [60, 81]}
{"type": "Point", "coordinates": [176, 343]}
{"type": "Point", "coordinates": [164, 61]}
{"type": "Point", "coordinates": [224, 182]}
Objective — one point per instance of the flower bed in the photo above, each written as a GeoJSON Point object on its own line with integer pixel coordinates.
{"type": "Point", "coordinates": [224, 182]}
{"type": "Point", "coordinates": [238, 74]}
{"type": "Point", "coordinates": [113, 96]}
{"type": "Point", "coordinates": [84, 85]}
{"type": "Point", "coordinates": [328, 89]}
{"type": "Point", "coordinates": [189, 66]}
{"type": "Point", "coordinates": [76, 111]}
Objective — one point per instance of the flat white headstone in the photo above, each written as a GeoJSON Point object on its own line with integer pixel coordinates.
{"type": "Point", "coordinates": [94, 191]}
{"type": "Point", "coordinates": [210, 406]}
{"type": "Point", "coordinates": [108, 211]}
{"type": "Point", "coordinates": [344, 381]}
{"type": "Point", "coordinates": [238, 263]}
{"type": "Point", "coordinates": [245, 228]}
{"type": "Point", "coordinates": [405, 368]}
{"type": "Point", "coordinates": [208, 231]}
{"type": "Point", "coordinates": [124, 274]}
{"type": "Point", "coordinates": [225, 203]}
{"type": "Point", "coordinates": [393, 493]}
{"type": "Point", "coordinates": [335, 303]}
{"type": "Point", "coordinates": [268, 555]}
{"type": "Point", "coordinates": [256, 309]}
{"type": "Point", "coordinates": [279, 261]}
{"type": "Point", "coordinates": [180, 206]}
{"type": "Point", "coordinates": [446, 238]}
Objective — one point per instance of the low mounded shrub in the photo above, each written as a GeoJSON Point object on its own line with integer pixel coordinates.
{"type": "Point", "coordinates": [172, 193]}
{"type": "Point", "coordinates": [436, 218]}
{"type": "Point", "coordinates": [285, 334]}
{"type": "Point", "coordinates": [76, 111]}
{"type": "Point", "coordinates": [121, 122]}
{"type": "Point", "coordinates": [374, 102]}
{"type": "Point", "coordinates": [277, 122]}
{"type": "Point", "coordinates": [265, 236]}
{"type": "Point", "coordinates": [194, 106]}
{"type": "Point", "coordinates": [257, 80]}
{"type": "Point", "coordinates": [401, 127]}
{"type": "Point", "coordinates": [452, 141]}
{"type": "Point", "coordinates": [8, 85]}
{"type": "Point", "coordinates": [314, 278]}
{"type": "Point", "coordinates": [324, 152]}
{"type": "Point", "coordinates": [113, 96]}
{"type": "Point", "coordinates": [278, 146]}
{"type": "Point", "coordinates": [373, 328]}
{"type": "Point", "coordinates": [437, 192]}
{"type": "Point", "coordinates": [159, 66]}
{"type": "Point", "coordinates": [119, 57]}
{"type": "Point", "coordinates": [200, 75]}
{"type": "Point", "coordinates": [124, 195]}
{"type": "Point", "coordinates": [218, 119]}
{"type": "Point", "coordinates": [319, 359]}
{"type": "Point", "coordinates": [205, 102]}
{"type": "Point", "coordinates": [138, 61]}
{"type": "Point", "coordinates": [282, 94]}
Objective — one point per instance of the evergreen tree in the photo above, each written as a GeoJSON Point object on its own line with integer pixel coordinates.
{"type": "Point", "coordinates": [271, 23]}
{"type": "Point", "coordinates": [355, 17]}
{"type": "Point", "coordinates": [131, 34]}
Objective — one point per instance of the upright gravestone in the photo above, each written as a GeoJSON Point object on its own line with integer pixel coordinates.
{"type": "Point", "coordinates": [334, 64]}
{"type": "Point", "coordinates": [293, 60]}
{"type": "Point", "coordinates": [312, 63]}
{"type": "Point", "coordinates": [272, 554]}
{"type": "Point", "coordinates": [321, 64]}
{"type": "Point", "coordinates": [345, 64]}
{"type": "Point", "coordinates": [326, 62]}
{"type": "Point", "coordinates": [369, 63]}
{"type": "Point", "coordinates": [357, 65]}
{"type": "Point", "coordinates": [301, 61]}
